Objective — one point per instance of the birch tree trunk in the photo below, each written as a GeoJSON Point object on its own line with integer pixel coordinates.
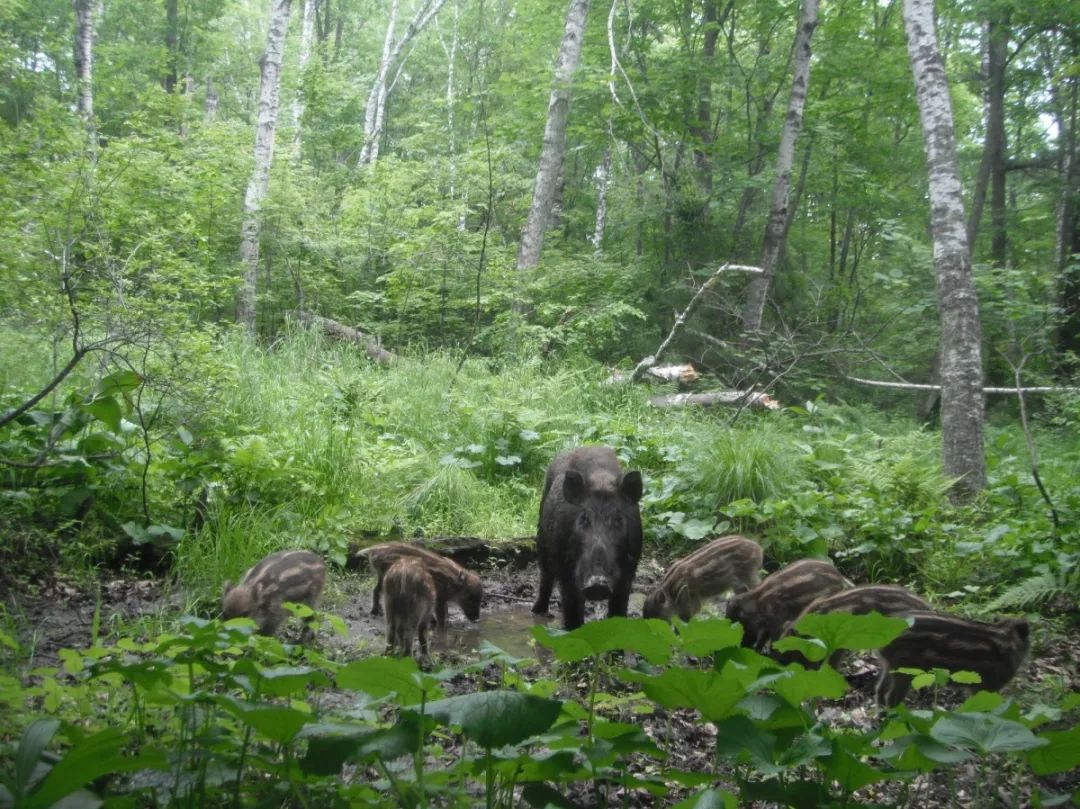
{"type": "Point", "coordinates": [958, 307]}
{"type": "Point", "coordinates": [554, 148]}
{"type": "Point", "coordinates": [84, 60]}
{"type": "Point", "coordinates": [375, 109]}
{"type": "Point", "coordinates": [265, 131]}
{"type": "Point", "coordinates": [601, 175]}
{"type": "Point", "coordinates": [307, 32]}
{"type": "Point", "coordinates": [776, 229]}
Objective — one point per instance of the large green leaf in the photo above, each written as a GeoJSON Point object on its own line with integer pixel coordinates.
{"type": "Point", "coordinates": [984, 733]}
{"type": "Point", "coordinates": [497, 718]}
{"type": "Point", "coordinates": [842, 630]}
{"type": "Point", "coordinates": [1061, 753]}
{"type": "Point", "coordinates": [653, 639]}
{"type": "Point", "coordinates": [34, 740]}
{"type": "Point", "coordinates": [381, 676]}
{"type": "Point", "coordinates": [705, 637]}
{"type": "Point", "coordinates": [86, 761]}
{"type": "Point", "coordinates": [712, 694]}
{"type": "Point", "coordinates": [709, 799]}
{"type": "Point", "coordinates": [275, 722]}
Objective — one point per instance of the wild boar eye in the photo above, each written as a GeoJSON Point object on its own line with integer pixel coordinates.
{"type": "Point", "coordinates": [583, 519]}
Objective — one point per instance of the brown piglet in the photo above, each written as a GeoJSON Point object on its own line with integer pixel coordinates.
{"type": "Point", "coordinates": [409, 595]}
{"type": "Point", "coordinates": [453, 583]}
{"type": "Point", "coordinates": [728, 563]}
{"type": "Point", "coordinates": [765, 610]}
{"type": "Point", "coordinates": [994, 651]}
{"type": "Point", "coordinates": [296, 576]}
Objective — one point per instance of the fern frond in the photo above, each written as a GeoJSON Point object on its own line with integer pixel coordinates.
{"type": "Point", "coordinates": [1028, 593]}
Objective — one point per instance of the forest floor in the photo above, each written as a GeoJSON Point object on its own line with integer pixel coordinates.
{"type": "Point", "coordinates": [61, 614]}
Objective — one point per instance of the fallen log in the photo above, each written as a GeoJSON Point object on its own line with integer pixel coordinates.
{"type": "Point", "coordinates": [729, 398]}
{"type": "Point", "coordinates": [685, 374]}
{"type": "Point", "coordinates": [339, 331]}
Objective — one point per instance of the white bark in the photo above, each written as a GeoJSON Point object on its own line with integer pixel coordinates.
{"type": "Point", "coordinates": [777, 226]}
{"type": "Point", "coordinates": [554, 148]}
{"type": "Point", "coordinates": [307, 32]}
{"type": "Point", "coordinates": [265, 132]}
{"type": "Point", "coordinates": [210, 109]}
{"type": "Point", "coordinates": [878, 383]}
{"type": "Point", "coordinates": [451, 146]}
{"type": "Point", "coordinates": [375, 109]}
{"type": "Point", "coordinates": [958, 307]}
{"type": "Point", "coordinates": [603, 171]}
{"type": "Point", "coordinates": [85, 11]}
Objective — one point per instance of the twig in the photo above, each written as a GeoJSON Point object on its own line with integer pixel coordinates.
{"type": "Point", "coordinates": [1033, 455]}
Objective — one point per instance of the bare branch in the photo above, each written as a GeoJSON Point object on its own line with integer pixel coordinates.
{"type": "Point", "coordinates": [917, 386]}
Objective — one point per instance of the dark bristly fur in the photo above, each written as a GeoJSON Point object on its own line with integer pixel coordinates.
{"type": "Point", "coordinates": [296, 576]}
{"type": "Point", "coordinates": [409, 595]}
{"type": "Point", "coordinates": [765, 610]}
{"type": "Point", "coordinates": [453, 583]}
{"type": "Point", "coordinates": [994, 651]}
{"type": "Point", "coordinates": [728, 563]}
{"type": "Point", "coordinates": [886, 599]}
{"type": "Point", "coordinates": [589, 535]}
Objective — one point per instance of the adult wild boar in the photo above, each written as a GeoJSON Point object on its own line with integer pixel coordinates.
{"type": "Point", "coordinates": [589, 536]}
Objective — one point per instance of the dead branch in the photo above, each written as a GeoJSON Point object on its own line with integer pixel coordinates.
{"type": "Point", "coordinates": [917, 386]}
{"type": "Point", "coordinates": [734, 398]}
{"type": "Point", "coordinates": [339, 331]}
{"type": "Point", "coordinates": [691, 307]}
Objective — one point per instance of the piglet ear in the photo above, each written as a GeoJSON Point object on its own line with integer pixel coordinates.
{"type": "Point", "coordinates": [573, 488]}
{"type": "Point", "coordinates": [226, 588]}
{"type": "Point", "coordinates": [461, 577]}
{"type": "Point", "coordinates": [631, 485]}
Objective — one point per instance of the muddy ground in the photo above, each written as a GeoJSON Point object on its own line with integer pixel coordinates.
{"type": "Point", "coordinates": [60, 614]}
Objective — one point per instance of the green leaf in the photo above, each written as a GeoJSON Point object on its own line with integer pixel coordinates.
{"type": "Point", "coordinates": [984, 733]}
{"type": "Point", "coordinates": [105, 409]}
{"type": "Point", "coordinates": [542, 796]}
{"type": "Point", "coordinates": [700, 638]}
{"type": "Point", "coordinates": [842, 630]}
{"type": "Point", "coordinates": [88, 760]}
{"type": "Point", "coordinates": [712, 694]}
{"type": "Point", "coordinates": [1061, 753]}
{"type": "Point", "coordinates": [118, 382]}
{"type": "Point", "coordinates": [331, 745]}
{"type": "Point", "coordinates": [276, 723]}
{"type": "Point", "coordinates": [653, 639]}
{"type": "Point", "coordinates": [34, 740]}
{"type": "Point", "coordinates": [709, 799]}
{"type": "Point", "coordinates": [797, 685]}
{"type": "Point", "coordinates": [381, 676]}
{"type": "Point", "coordinates": [497, 718]}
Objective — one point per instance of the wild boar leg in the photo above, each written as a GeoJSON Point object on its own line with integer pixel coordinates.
{"type": "Point", "coordinates": [619, 601]}
{"type": "Point", "coordinates": [891, 687]}
{"type": "Point", "coordinates": [547, 582]}
{"type": "Point", "coordinates": [573, 604]}
{"type": "Point", "coordinates": [376, 603]}
{"type": "Point", "coordinates": [440, 614]}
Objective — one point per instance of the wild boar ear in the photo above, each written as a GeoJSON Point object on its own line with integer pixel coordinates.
{"type": "Point", "coordinates": [631, 485]}
{"type": "Point", "coordinates": [1023, 630]}
{"type": "Point", "coordinates": [573, 488]}
{"type": "Point", "coordinates": [461, 577]}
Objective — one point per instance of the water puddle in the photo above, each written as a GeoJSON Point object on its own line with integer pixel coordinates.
{"type": "Point", "coordinates": [509, 629]}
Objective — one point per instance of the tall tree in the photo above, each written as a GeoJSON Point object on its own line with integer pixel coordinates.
{"type": "Point", "coordinates": [958, 307]}
{"type": "Point", "coordinates": [776, 228]}
{"type": "Point", "coordinates": [307, 31]}
{"type": "Point", "coordinates": [172, 44]}
{"type": "Point", "coordinates": [265, 132]}
{"type": "Point", "coordinates": [375, 109]}
{"type": "Point", "coordinates": [84, 60]}
{"type": "Point", "coordinates": [554, 147]}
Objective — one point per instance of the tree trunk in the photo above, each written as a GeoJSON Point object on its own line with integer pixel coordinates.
{"type": "Point", "coordinates": [551, 155]}
{"type": "Point", "coordinates": [375, 109]}
{"type": "Point", "coordinates": [307, 32]}
{"type": "Point", "coordinates": [265, 131]}
{"type": "Point", "coordinates": [776, 229]}
{"type": "Point", "coordinates": [377, 95]}
{"type": "Point", "coordinates": [601, 175]}
{"type": "Point", "coordinates": [84, 60]}
{"type": "Point", "coordinates": [703, 127]}
{"type": "Point", "coordinates": [958, 307]}
{"type": "Point", "coordinates": [1066, 114]}
{"type": "Point", "coordinates": [172, 44]}
{"type": "Point", "coordinates": [998, 52]}
{"type": "Point", "coordinates": [210, 109]}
